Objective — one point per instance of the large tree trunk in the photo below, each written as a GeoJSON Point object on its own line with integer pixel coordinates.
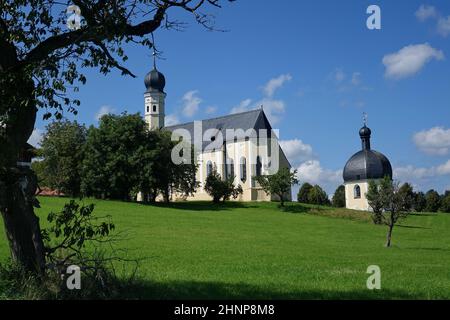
{"type": "Point", "coordinates": [21, 224]}
{"type": "Point", "coordinates": [18, 185]}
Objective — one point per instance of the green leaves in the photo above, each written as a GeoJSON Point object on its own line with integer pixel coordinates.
{"type": "Point", "coordinates": [75, 225]}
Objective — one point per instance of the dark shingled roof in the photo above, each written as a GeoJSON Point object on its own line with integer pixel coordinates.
{"type": "Point", "coordinates": [253, 119]}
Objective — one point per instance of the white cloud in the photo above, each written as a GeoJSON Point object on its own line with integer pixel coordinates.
{"type": "Point", "coordinates": [36, 137]}
{"type": "Point", "coordinates": [311, 171]}
{"type": "Point", "coordinates": [191, 103]}
{"type": "Point", "coordinates": [410, 60]}
{"type": "Point", "coordinates": [356, 78]}
{"type": "Point", "coordinates": [171, 120]}
{"type": "Point", "coordinates": [443, 26]}
{"type": "Point", "coordinates": [339, 75]}
{"type": "Point", "coordinates": [211, 110]}
{"type": "Point", "coordinates": [272, 108]}
{"type": "Point", "coordinates": [434, 141]}
{"type": "Point", "coordinates": [276, 83]}
{"type": "Point", "coordinates": [104, 110]}
{"type": "Point", "coordinates": [243, 106]}
{"type": "Point", "coordinates": [425, 12]}
{"type": "Point", "coordinates": [296, 151]}
{"type": "Point", "coordinates": [410, 172]}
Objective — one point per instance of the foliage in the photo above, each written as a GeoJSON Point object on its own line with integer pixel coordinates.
{"type": "Point", "coordinates": [40, 63]}
{"type": "Point", "coordinates": [376, 202]}
{"type": "Point", "coordinates": [110, 168]}
{"type": "Point", "coordinates": [303, 193]}
{"type": "Point", "coordinates": [395, 205]}
{"type": "Point", "coordinates": [406, 191]}
{"type": "Point", "coordinates": [279, 183]}
{"type": "Point", "coordinates": [158, 173]}
{"type": "Point", "coordinates": [318, 196]}
{"type": "Point", "coordinates": [445, 204]}
{"type": "Point", "coordinates": [221, 190]}
{"type": "Point", "coordinates": [433, 201]}
{"type": "Point", "coordinates": [420, 202]}
{"type": "Point", "coordinates": [62, 151]}
{"type": "Point", "coordinates": [338, 200]}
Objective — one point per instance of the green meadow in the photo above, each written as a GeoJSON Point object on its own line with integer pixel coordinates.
{"type": "Point", "coordinates": [257, 251]}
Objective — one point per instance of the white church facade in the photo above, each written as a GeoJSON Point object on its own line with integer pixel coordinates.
{"type": "Point", "coordinates": [363, 166]}
{"type": "Point", "coordinates": [253, 150]}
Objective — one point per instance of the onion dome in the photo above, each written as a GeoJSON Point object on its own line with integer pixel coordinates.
{"type": "Point", "coordinates": [367, 163]}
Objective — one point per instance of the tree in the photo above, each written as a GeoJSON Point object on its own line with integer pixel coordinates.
{"type": "Point", "coordinates": [220, 189]}
{"type": "Point", "coordinates": [303, 193]}
{"type": "Point", "coordinates": [406, 191]}
{"type": "Point", "coordinates": [445, 204]}
{"type": "Point", "coordinates": [394, 203]}
{"type": "Point", "coordinates": [109, 168]}
{"type": "Point", "coordinates": [279, 183]}
{"type": "Point", "coordinates": [375, 202]}
{"type": "Point", "coordinates": [433, 201]}
{"type": "Point", "coordinates": [318, 196]}
{"type": "Point", "coordinates": [62, 152]}
{"type": "Point", "coordinates": [158, 174]}
{"type": "Point", "coordinates": [420, 202]}
{"type": "Point", "coordinates": [39, 61]}
{"type": "Point", "coordinates": [339, 197]}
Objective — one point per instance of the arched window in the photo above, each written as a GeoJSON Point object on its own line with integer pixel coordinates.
{"type": "Point", "coordinates": [357, 192]}
{"type": "Point", "coordinates": [230, 168]}
{"type": "Point", "coordinates": [258, 166]}
{"type": "Point", "coordinates": [154, 108]}
{"type": "Point", "coordinates": [209, 168]}
{"type": "Point", "coordinates": [243, 169]}
{"type": "Point", "coordinates": [148, 109]}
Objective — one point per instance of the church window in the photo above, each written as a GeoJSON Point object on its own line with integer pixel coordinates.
{"type": "Point", "coordinates": [243, 169]}
{"type": "Point", "coordinates": [209, 168]}
{"type": "Point", "coordinates": [357, 192]}
{"type": "Point", "coordinates": [154, 108]}
{"type": "Point", "coordinates": [258, 166]}
{"type": "Point", "coordinates": [148, 109]}
{"type": "Point", "coordinates": [230, 168]}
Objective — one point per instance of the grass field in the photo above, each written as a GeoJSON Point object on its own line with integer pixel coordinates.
{"type": "Point", "coordinates": [254, 250]}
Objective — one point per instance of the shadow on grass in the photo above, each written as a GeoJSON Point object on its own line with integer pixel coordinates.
{"type": "Point", "coordinates": [424, 214]}
{"type": "Point", "coordinates": [201, 205]}
{"type": "Point", "coordinates": [295, 208]}
{"type": "Point", "coordinates": [411, 227]}
{"type": "Point", "coordinates": [216, 290]}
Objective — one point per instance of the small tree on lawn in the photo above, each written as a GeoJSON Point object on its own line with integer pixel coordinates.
{"type": "Point", "coordinates": [279, 183]}
{"type": "Point", "coordinates": [318, 196]}
{"type": "Point", "coordinates": [338, 200]}
{"type": "Point", "coordinates": [303, 193]}
{"type": "Point", "coordinates": [375, 202]}
{"type": "Point", "coordinates": [394, 203]}
{"type": "Point", "coordinates": [220, 189]}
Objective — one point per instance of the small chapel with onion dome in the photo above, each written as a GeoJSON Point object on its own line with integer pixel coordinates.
{"type": "Point", "coordinates": [363, 166]}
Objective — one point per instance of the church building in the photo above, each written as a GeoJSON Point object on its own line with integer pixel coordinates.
{"type": "Point", "coordinates": [363, 166]}
{"type": "Point", "coordinates": [243, 155]}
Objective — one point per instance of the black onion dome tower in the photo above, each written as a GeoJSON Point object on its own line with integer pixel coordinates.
{"type": "Point", "coordinates": [155, 81]}
{"type": "Point", "coordinates": [154, 98]}
{"type": "Point", "coordinates": [365, 165]}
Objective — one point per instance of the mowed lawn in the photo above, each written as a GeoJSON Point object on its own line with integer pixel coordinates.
{"type": "Point", "coordinates": [257, 251]}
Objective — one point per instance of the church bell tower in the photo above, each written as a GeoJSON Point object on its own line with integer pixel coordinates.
{"type": "Point", "coordinates": [154, 98]}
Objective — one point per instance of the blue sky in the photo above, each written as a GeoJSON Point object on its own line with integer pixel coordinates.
{"type": "Point", "coordinates": [316, 68]}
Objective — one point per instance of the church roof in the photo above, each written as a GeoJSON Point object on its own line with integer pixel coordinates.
{"type": "Point", "coordinates": [253, 119]}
